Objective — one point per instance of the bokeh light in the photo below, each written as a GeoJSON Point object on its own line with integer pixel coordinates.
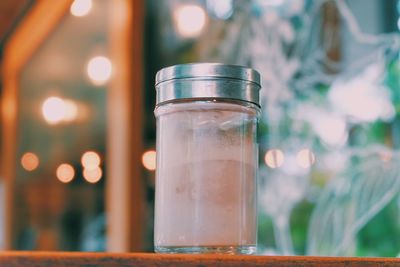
{"type": "Point", "coordinates": [65, 173]}
{"type": "Point", "coordinates": [70, 110]}
{"type": "Point", "coordinates": [305, 158]}
{"type": "Point", "coordinates": [274, 158]}
{"type": "Point", "coordinates": [80, 8]}
{"type": "Point", "coordinates": [90, 160]}
{"type": "Point", "coordinates": [92, 176]}
{"type": "Point", "coordinates": [56, 110]}
{"type": "Point", "coordinates": [273, 2]}
{"type": "Point", "coordinates": [330, 128]}
{"type": "Point", "coordinates": [398, 24]}
{"type": "Point", "coordinates": [189, 20]}
{"type": "Point", "coordinates": [149, 160]}
{"type": "Point", "coordinates": [99, 70]}
{"type": "Point", "coordinates": [386, 156]}
{"type": "Point", "coordinates": [53, 110]}
{"type": "Point", "coordinates": [222, 9]}
{"type": "Point", "coordinates": [30, 161]}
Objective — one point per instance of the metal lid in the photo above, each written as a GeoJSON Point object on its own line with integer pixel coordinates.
{"type": "Point", "coordinates": [207, 80]}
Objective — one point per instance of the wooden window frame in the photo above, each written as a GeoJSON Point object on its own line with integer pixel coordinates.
{"type": "Point", "coordinates": [125, 201]}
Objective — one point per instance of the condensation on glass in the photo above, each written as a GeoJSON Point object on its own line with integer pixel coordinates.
{"type": "Point", "coordinates": [207, 159]}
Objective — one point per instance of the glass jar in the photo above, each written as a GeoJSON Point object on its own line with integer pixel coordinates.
{"type": "Point", "coordinates": [207, 159]}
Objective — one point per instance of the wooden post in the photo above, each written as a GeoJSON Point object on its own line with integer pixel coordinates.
{"type": "Point", "coordinates": [125, 197]}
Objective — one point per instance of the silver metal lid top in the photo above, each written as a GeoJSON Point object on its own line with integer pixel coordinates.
{"type": "Point", "coordinates": [212, 70]}
{"type": "Point", "coordinates": [208, 80]}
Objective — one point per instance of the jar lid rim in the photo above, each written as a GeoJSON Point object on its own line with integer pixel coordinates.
{"type": "Point", "coordinates": [207, 70]}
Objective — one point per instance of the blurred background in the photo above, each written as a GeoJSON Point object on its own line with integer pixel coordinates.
{"type": "Point", "coordinates": [78, 131]}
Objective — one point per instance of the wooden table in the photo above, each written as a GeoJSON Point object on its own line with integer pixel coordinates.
{"type": "Point", "coordinates": [74, 259]}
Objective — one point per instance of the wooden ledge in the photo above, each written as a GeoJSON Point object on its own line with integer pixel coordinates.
{"type": "Point", "coordinates": [74, 259]}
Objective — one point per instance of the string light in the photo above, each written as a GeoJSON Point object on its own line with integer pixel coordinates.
{"type": "Point", "coordinates": [274, 158]}
{"type": "Point", "coordinates": [65, 173]}
{"type": "Point", "coordinates": [30, 161]}
{"type": "Point", "coordinates": [189, 20]}
{"type": "Point", "coordinates": [149, 160]}
{"type": "Point", "coordinates": [305, 158]}
{"type": "Point", "coordinates": [90, 160]}
{"type": "Point", "coordinates": [53, 110]}
{"type": "Point", "coordinates": [70, 110]}
{"type": "Point", "coordinates": [56, 110]}
{"type": "Point", "coordinates": [80, 8]}
{"type": "Point", "coordinates": [99, 70]}
{"type": "Point", "coordinates": [92, 176]}
{"type": "Point", "coordinates": [222, 9]}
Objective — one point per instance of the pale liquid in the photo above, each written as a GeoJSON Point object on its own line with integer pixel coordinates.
{"type": "Point", "coordinates": [206, 203]}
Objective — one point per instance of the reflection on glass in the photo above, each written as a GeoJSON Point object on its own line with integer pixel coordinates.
{"type": "Point", "coordinates": [331, 76]}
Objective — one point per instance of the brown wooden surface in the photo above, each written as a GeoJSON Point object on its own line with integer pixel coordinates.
{"type": "Point", "coordinates": [14, 259]}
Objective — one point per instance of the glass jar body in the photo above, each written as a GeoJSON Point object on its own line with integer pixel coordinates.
{"type": "Point", "coordinates": [206, 177]}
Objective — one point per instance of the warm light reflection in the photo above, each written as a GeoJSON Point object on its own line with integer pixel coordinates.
{"type": "Point", "coordinates": [92, 176]}
{"type": "Point", "coordinates": [99, 70]}
{"type": "Point", "coordinates": [56, 110]}
{"type": "Point", "coordinates": [305, 158]}
{"type": "Point", "coordinates": [70, 110]}
{"type": "Point", "coordinates": [65, 173]}
{"type": "Point", "coordinates": [53, 110]}
{"type": "Point", "coordinates": [80, 8]}
{"type": "Point", "coordinates": [189, 20]}
{"type": "Point", "coordinates": [29, 161]}
{"type": "Point", "coordinates": [386, 156]}
{"type": "Point", "coordinates": [90, 160]}
{"type": "Point", "coordinates": [274, 158]}
{"type": "Point", "coordinates": [149, 160]}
